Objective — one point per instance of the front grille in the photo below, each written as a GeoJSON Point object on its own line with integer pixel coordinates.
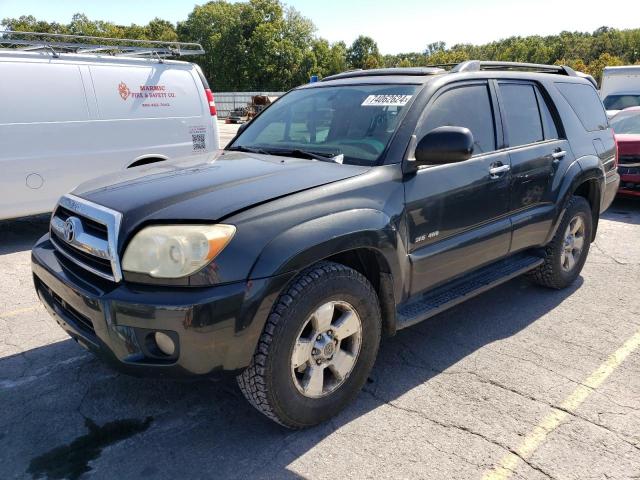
{"type": "Point", "coordinates": [100, 264]}
{"type": "Point", "coordinates": [86, 234]}
{"type": "Point", "coordinates": [90, 226]}
{"type": "Point", "coordinates": [629, 160]}
{"type": "Point", "coordinates": [623, 170]}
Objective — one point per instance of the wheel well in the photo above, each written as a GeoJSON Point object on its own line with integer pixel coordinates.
{"type": "Point", "coordinates": [590, 190]}
{"type": "Point", "coordinates": [146, 161]}
{"type": "Point", "coordinates": [374, 267]}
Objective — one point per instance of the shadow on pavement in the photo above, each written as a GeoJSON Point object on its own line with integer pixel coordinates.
{"type": "Point", "coordinates": [20, 235]}
{"type": "Point", "coordinates": [56, 395]}
{"type": "Point", "coordinates": [625, 210]}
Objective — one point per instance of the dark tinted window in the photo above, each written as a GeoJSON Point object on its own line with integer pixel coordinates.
{"type": "Point", "coordinates": [548, 123]}
{"type": "Point", "coordinates": [522, 117]}
{"type": "Point", "coordinates": [620, 102]}
{"type": "Point", "coordinates": [469, 107]}
{"type": "Point", "coordinates": [585, 102]}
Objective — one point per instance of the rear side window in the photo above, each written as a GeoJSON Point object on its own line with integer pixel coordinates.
{"type": "Point", "coordinates": [586, 104]}
{"type": "Point", "coordinates": [468, 106]}
{"type": "Point", "coordinates": [522, 117]}
{"type": "Point", "coordinates": [548, 123]}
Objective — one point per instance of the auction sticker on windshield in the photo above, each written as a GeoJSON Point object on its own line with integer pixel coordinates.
{"type": "Point", "coordinates": [386, 100]}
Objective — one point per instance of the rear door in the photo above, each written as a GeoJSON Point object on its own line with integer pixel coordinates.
{"type": "Point", "coordinates": [457, 214]}
{"type": "Point", "coordinates": [536, 150]}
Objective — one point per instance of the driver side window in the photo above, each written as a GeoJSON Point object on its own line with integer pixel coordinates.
{"type": "Point", "coordinates": [466, 106]}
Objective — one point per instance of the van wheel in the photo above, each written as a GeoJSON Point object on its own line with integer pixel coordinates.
{"type": "Point", "coordinates": [566, 254]}
{"type": "Point", "coordinates": [317, 348]}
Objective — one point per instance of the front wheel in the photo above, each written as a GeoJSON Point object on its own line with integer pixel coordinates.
{"type": "Point", "coordinates": [566, 254]}
{"type": "Point", "coordinates": [317, 348]}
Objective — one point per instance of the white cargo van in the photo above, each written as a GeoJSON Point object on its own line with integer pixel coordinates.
{"type": "Point", "coordinates": [620, 88]}
{"type": "Point", "coordinates": [70, 111]}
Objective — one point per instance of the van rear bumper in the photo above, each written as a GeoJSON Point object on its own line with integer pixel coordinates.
{"type": "Point", "coordinates": [214, 329]}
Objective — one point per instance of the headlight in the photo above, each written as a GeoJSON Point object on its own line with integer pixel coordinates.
{"type": "Point", "coordinates": [175, 251]}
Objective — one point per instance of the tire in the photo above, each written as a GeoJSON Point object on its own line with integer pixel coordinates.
{"type": "Point", "coordinates": [285, 393]}
{"type": "Point", "coordinates": [556, 271]}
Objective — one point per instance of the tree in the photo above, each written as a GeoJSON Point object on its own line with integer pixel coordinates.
{"type": "Point", "coordinates": [364, 53]}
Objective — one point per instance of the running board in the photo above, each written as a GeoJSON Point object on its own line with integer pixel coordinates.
{"type": "Point", "coordinates": [457, 291]}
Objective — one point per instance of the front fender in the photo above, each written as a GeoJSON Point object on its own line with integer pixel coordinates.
{"type": "Point", "coordinates": [320, 238]}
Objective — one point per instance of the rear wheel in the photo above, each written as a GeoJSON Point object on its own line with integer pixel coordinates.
{"type": "Point", "coordinates": [317, 348]}
{"type": "Point", "coordinates": [567, 252]}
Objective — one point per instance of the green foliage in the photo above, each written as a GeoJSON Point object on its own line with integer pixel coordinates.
{"type": "Point", "coordinates": [266, 45]}
{"type": "Point", "coordinates": [364, 53]}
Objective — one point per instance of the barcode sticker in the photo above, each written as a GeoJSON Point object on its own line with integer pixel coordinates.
{"type": "Point", "coordinates": [198, 141]}
{"type": "Point", "coordinates": [198, 138]}
{"type": "Point", "coordinates": [386, 100]}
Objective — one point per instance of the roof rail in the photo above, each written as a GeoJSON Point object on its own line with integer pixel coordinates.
{"type": "Point", "coordinates": [477, 65]}
{"type": "Point", "coordinates": [377, 72]}
{"type": "Point", "coordinates": [62, 43]}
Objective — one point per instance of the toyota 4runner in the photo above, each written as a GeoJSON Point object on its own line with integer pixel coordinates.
{"type": "Point", "coordinates": [348, 209]}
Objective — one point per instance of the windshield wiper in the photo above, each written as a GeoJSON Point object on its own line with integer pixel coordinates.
{"type": "Point", "coordinates": [339, 158]}
{"type": "Point", "coordinates": [241, 148]}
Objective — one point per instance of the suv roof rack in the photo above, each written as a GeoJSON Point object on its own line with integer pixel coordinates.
{"type": "Point", "coordinates": [477, 65]}
{"type": "Point", "coordinates": [377, 72]}
{"type": "Point", "coordinates": [62, 43]}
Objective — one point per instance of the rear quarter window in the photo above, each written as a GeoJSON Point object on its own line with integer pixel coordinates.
{"type": "Point", "coordinates": [146, 92]}
{"type": "Point", "coordinates": [585, 103]}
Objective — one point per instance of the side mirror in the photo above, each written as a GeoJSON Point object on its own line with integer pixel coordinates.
{"type": "Point", "coordinates": [444, 145]}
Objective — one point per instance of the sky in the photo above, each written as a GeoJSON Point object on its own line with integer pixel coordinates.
{"type": "Point", "coordinates": [397, 25]}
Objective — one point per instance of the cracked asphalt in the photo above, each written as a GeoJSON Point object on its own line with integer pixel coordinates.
{"type": "Point", "coordinates": [448, 398]}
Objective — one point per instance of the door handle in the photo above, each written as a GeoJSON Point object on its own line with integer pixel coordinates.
{"type": "Point", "coordinates": [558, 155]}
{"type": "Point", "coordinates": [498, 169]}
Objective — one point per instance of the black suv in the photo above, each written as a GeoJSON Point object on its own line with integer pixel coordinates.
{"type": "Point", "coordinates": [348, 209]}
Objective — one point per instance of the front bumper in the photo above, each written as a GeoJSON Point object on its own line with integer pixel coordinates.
{"type": "Point", "coordinates": [629, 182]}
{"type": "Point", "coordinates": [215, 328]}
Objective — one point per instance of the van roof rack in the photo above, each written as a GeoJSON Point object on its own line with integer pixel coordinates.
{"type": "Point", "coordinates": [62, 43]}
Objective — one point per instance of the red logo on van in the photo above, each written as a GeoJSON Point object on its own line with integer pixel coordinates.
{"type": "Point", "coordinates": [124, 91]}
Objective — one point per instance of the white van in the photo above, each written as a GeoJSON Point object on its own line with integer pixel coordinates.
{"type": "Point", "coordinates": [620, 88]}
{"type": "Point", "coordinates": [68, 117]}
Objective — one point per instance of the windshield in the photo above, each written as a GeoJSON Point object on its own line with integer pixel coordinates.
{"type": "Point", "coordinates": [620, 102]}
{"type": "Point", "coordinates": [626, 123]}
{"type": "Point", "coordinates": [355, 121]}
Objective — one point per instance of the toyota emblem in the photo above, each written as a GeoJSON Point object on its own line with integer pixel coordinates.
{"type": "Point", "coordinates": [71, 228]}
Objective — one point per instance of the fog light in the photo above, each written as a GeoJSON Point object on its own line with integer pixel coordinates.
{"type": "Point", "coordinates": [165, 343]}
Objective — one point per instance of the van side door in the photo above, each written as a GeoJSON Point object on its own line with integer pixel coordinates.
{"type": "Point", "coordinates": [457, 213]}
{"type": "Point", "coordinates": [534, 138]}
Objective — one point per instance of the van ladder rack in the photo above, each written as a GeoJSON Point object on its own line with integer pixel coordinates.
{"type": "Point", "coordinates": [63, 43]}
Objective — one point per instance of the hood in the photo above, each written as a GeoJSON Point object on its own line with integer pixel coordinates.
{"type": "Point", "coordinates": [628, 145]}
{"type": "Point", "coordinates": [208, 190]}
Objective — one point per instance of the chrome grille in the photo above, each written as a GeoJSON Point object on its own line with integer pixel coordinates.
{"type": "Point", "coordinates": [86, 233]}
{"type": "Point", "coordinates": [629, 160]}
